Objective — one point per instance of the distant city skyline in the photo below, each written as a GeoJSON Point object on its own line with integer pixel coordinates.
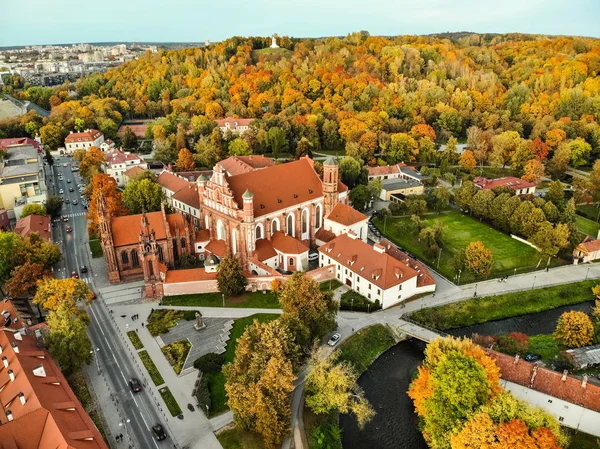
{"type": "Point", "coordinates": [39, 22]}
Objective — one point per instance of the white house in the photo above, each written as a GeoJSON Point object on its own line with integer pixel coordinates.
{"type": "Point", "coordinates": [587, 251]}
{"type": "Point", "coordinates": [237, 125]}
{"type": "Point", "coordinates": [344, 219]}
{"type": "Point", "coordinates": [83, 140]}
{"type": "Point", "coordinates": [118, 162]}
{"type": "Point", "coordinates": [380, 272]}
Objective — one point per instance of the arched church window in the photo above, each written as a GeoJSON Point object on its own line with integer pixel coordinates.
{"type": "Point", "coordinates": [160, 254]}
{"type": "Point", "coordinates": [318, 216]}
{"type": "Point", "coordinates": [258, 232]}
{"type": "Point", "coordinates": [134, 259]}
{"type": "Point", "coordinates": [290, 225]}
{"type": "Point", "coordinates": [304, 221]}
{"type": "Point", "coordinates": [124, 258]}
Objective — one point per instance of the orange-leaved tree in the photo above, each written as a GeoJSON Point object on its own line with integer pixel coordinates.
{"type": "Point", "coordinates": [574, 329]}
{"type": "Point", "coordinates": [478, 258]}
{"type": "Point", "coordinates": [105, 186]}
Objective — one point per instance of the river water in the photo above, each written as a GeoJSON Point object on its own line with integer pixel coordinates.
{"type": "Point", "coordinates": [387, 380]}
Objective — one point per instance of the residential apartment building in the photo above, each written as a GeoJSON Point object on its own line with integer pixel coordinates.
{"type": "Point", "coordinates": [83, 140]}
{"type": "Point", "coordinates": [381, 273]}
{"type": "Point", "coordinates": [118, 162]}
{"type": "Point", "coordinates": [22, 179]}
{"type": "Point", "coordinates": [39, 224]}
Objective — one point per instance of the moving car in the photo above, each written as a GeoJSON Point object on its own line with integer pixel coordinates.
{"type": "Point", "coordinates": [159, 432]}
{"type": "Point", "coordinates": [68, 181]}
{"type": "Point", "coordinates": [67, 201]}
{"type": "Point", "coordinates": [83, 269]}
{"type": "Point", "coordinates": [69, 229]}
{"type": "Point", "coordinates": [74, 275]}
{"type": "Point", "coordinates": [135, 385]}
{"type": "Point", "coordinates": [65, 165]}
{"type": "Point", "coordinates": [65, 218]}
{"type": "Point", "coordinates": [75, 202]}
{"type": "Point", "coordinates": [335, 338]}
{"type": "Point", "coordinates": [61, 191]}
{"type": "Point", "coordinates": [70, 189]}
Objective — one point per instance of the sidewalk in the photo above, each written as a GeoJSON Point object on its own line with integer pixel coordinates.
{"type": "Point", "coordinates": [195, 430]}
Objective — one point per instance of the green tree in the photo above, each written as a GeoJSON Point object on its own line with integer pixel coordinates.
{"type": "Point", "coordinates": [403, 148]}
{"type": "Point", "coordinates": [129, 140]}
{"type": "Point", "coordinates": [239, 147]}
{"type": "Point", "coordinates": [464, 194]}
{"type": "Point", "coordinates": [556, 194]}
{"type": "Point", "coordinates": [53, 205]}
{"type": "Point", "coordinates": [53, 136]}
{"type": "Point", "coordinates": [415, 205]}
{"type": "Point", "coordinates": [230, 278]}
{"type": "Point", "coordinates": [69, 345]}
{"type": "Point", "coordinates": [277, 140]}
{"type": "Point", "coordinates": [559, 163]}
{"type": "Point", "coordinates": [303, 148]}
{"type": "Point", "coordinates": [331, 385]}
{"type": "Point", "coordinates": [301, 298]}
{"type": "Point", "coordinates": [479, 259]}
{"type": "Point", "coordinates": [375, 187]}
{"type": "Point", "coordinates": [350, 170]}
{"type": "Point", "coordinates": [207, 153]}
{"type": "Point", "coordinates": [551, 239]}
{"type": "Point", "coordinates": [442, 196]}
{"type": "Point", "coordinates": [360, 197]}
{"type": "Point", "coordinates": [143, 196]}
{"type": "Point", "coordinates": [580, 152]}
{"type": "Point", "coordinates": [33, 209]}
{"type": "Point", "coordinates": [481, 203]}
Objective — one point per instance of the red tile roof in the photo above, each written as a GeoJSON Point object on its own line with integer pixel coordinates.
{"type": "Point", "coordinates": [117, 156]}
{"type": "Point", "coordinates": [589, 245]}
{"type": "Point", "coordinates": [35, 223]}
{"type": "Point", "coordinates": [5, 143]}
{"type": "Point", "coordinates": [202, 236]}
{"type": "Point", "coordinates": [171, 181]}
{"type": "Point", "coordinates": [236, 165]}
{"type": "Point", "coordinates": [392, 250]}
{"type": "Point", "coordinates": [381, 170]}
{"type": "Point", "coordinates": [509, 181]}
{"type": "Point", "coordinates": [324, 235]}
{"type": "Point", "coordinates": [189, 275]}
{"type": "Point", "coordinates": [217, 247]}
{"type": "Point", "coordinates": [51, 417]}
{"type": "Point", "coordinates": [188, 195]}
{"type": "Point", "coordinates": [287, 244]}
{"type": "Point", "coordinates": [548, 381]}
{"type": "Point", "coordinates": [346, 215]}
{"type": "Point", "coordinates": [278, 187]}
{"type": "Point", "coordinates": [379, 268]}
{"type": "Point", "coordinates": [88, 135]}
{"type": "Point", "coordinates": [126, 230]}
{"type": "Point", "coordinates": [264, 250]}
{"type": "Point", "coordinates": [134, 171]}
{"type": "Point", "coordinates": [10, 316]}
{"type": "Point", "coordinates": [234, 122]}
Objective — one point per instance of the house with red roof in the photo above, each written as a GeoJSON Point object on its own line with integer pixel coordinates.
{"type": "Point", "coordinates": [118, 162]}
{"type": "Point", "coordinates": [237, 125]}
{"type": "Point", "coordinates": [343, 219]}
{"type": "Point", "coordinates": [586, 251]}
{"type": "Point", "coordinates": [83, 140]}
{"type": "Point", "coordinates": [40, 224]}
{"type": "Point", "coordinates": [16, 141]}
{"type": "Point", "coordinates": [520, 186]}
{"type": "Point", "coordinates": [380, 272]}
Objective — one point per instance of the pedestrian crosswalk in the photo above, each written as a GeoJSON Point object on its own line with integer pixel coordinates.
{"type": "Point", "coordinates": [73, 215]}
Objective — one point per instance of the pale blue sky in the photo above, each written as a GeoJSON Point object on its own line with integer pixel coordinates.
{"type": "Point", "coordinates": [24, 22]}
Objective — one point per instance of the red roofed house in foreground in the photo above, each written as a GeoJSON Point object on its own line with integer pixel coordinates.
{"type": "Point", "coordinates": [380, 273]}
{"type": "Point", "coordinates": [40, 411]}
{"type": "Point", "coordinates": [520, 186]}
{"type": "Point", "coordinates": [587, 251]}
{"type": "Point", "coordinates": [35, 223]}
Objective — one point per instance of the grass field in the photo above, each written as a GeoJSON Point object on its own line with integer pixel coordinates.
{"type": "Point", "coordinates": [459, 231]}
{"type": "Point", "coordinates": [216, 382]}
{"type": "Point", "coordinates": [580, 440]}
{"type": "Point", "coordinates": [258, 299]}
{"type": "Point", "coordinates": [587, 226]}
{"type": "Point", "coordinates": [237, 438]}
{"type": "Point", "coordinates": [170, 401]}
{"type": "Point", "coordinates": [362, 348]}
{"type": "Point", "coordinates": [96, 248]}
{"type": "Point", "coordinates": [488, 308]}
{"type": "Point", "coordinates": [588, 210]}
{"type": "Point", "coordinates": [135, 340]}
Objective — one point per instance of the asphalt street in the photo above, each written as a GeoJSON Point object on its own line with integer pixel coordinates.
{"type": "Point", "coordinates": [137, 410]}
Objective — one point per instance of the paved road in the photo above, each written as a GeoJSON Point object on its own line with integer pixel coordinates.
{"type": "Point", "coordinates": [111, 356]}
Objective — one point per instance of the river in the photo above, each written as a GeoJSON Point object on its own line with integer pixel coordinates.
{"type": "Point", "coordinates": [386, 381]}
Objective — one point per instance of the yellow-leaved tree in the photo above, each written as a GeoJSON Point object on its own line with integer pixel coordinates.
{"type": "Point", "coordinates": [574, 329]}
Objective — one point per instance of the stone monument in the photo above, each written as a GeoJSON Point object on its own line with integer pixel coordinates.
{"type": "Point", "coordinates": [274, 42]}
{"type": "Point", "coordinates": [199, 323]}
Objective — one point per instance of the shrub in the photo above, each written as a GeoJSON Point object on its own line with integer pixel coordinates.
{"type": "Point", "coordinates": [203, 395]}
{"type": "Point", "coordinates": [176, 354]}
{"type": "Point", "coordinates": [326, 436]}
{"type": "Point", "coordinates": [484, 340]}
{"type": "Point", "coordinates": [151, 368]}
{"type": "Point", "coordinates": [161, 320]}
{"type": "Point", "coordinates": [352, 300]}
{"type": "Point", "coordinates": [135, 340]}
{"type": "Point", "coordinates": [210, 363]}
{"type": "Point", "coordinates": [170, 401]}
{"type": "Point", "coordinates": [513, 343]}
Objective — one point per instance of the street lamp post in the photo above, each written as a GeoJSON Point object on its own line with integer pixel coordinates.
{"type": "Point", "coordinates": [96, 357]}
{"type": "Point", "coordinates": [533, 284]}
{"type": "Point", "coordinates": [223, 296]}
{"type": "Point", "coordinates": [586, 273]}
{"type": "Point", "coordinates": [439, 257]}
{"type": "Point", "coordinates": [459, 272]}
{"type": "Point", "coordinates": [124, 424]}
{"type": "Point", "coordinates": [206, 405]}
{"type": "Point", "coordinates": [475, 294]}
{"type": "Point", "coordinates": [351, 304]}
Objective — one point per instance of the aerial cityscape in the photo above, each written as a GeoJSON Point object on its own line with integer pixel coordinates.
{"type": "Point", "coordinates": [300, 226]}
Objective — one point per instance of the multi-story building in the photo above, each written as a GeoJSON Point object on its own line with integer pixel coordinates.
{"type": "Point", "coordinates": [236, 125]}
{"type": "Point", "coordinates": [39, 224]}
{"type": "Point", "coordinates": [83, 140]}
{"type": "Point", "coordinates": [118, 162]}
{"type": "Point", "coordinates": [22, 179]}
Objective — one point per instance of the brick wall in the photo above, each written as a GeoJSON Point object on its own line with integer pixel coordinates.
{"type": "Point", "coordinates": [322, 274]}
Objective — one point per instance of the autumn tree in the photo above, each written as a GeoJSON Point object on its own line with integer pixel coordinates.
{"type": "Point", "coordinates": [574, 329]}
{"type": "Point", "coordinates": [129, 140]}
{"type": "Point", "coordinates": [551, 239]}
{"type": "Point", "coordinates": [207, 153]}
{"type": "Point", "coordinates": [559, 163]}
{"type": "Point", "coordinates": [556, 194]}
{"type": "Point", "coordinates": [403, 148]}
{"type": "Point", "coordinates": [16, 251]}
{"type": "Point", "coordinates": [331, 385]}
{"type": "Point", "coordinates": [504, 147]}
{"type": "Point", "coordinates": [481, 203]}
{"type": "Point", "coordinates": [539, 149]}
{"type": "Point", "coordinates": [230, 277]}
{"type": "Point", "coordinates": [69, 344]}
{"type": "Point", "coordinates": [479, 259]}
{"type": "Point", "coordinates": [185, 161]}
{"type": "Point", "coordinates": [53, 294]}
{"type": "Point", "coordinates": [580, 151]}
{"type": "Point", "coordinates": [304, 148]}
{"type": "Point", "coordinates": [78, 154]}
{"type": "Point", "coordinates": [277, 140]}
{"type": "Point", "coordinates": [144, 195]}
{"type": "Point", "coordinates": [467, 160]}
{"type": "Point", "coordinates": [422, 130]}
{"type": "Point", "coordinates": [534, 171]}
{"type": "Point", "coordinates": [315, 311]}
{"type": "Point", "coordinates": [33, 209]}
{"type": "Point", "coordinates": [106, 187]}
{"type": "Point", "coordinates": [450, 153]}
{"type": "Point", "coordinates": [555, 137]}
{"type": "Point", "coordinates": [464, 194]}
{"type": "Point", "coordinates": [260, 379]}
{"type": "Point", "coordinates": [23, 279]}
{"type": "Point", "coordinates": [91, 163]}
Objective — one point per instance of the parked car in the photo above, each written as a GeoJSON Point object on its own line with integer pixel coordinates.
{"type": "Point", "coordinates": [68, 181]}
{"type": "Point", "coordinates": [135, 385]}
{"type": "Point", "coordinates": [83, 269]}
{"type": "Point", "coordinates": [74, 275]}
{"type": "Point", "coordinates": [313, 256]}
{"type": "Point", "coordinates": [61, 191]}
{"type": "Point", "coordinates": [335, 338]}
{"type": "Point", "coordinates": [65, 165]}
{"type": "Point", "coordinates": [533, 357]}
{"type": "Point", "coordinates": [159, 432]}
{"type": "Point", "coordinates": [69, 229]}
{"type": "Point", "coordinates": [67, 201]}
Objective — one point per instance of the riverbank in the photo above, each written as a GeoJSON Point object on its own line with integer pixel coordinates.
{"type": "Point", "coordinates": [490, 308]}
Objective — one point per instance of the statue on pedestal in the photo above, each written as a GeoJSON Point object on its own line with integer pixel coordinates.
{"type": "Point", "coordinates": [199, 323]}
{"type": "Point", "coordinates": [274, 42]}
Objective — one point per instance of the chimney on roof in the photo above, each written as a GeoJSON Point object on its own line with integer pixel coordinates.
{"type": "Point", "coordinates": [564, 376]}
{"type": "Point", "coordinates": [5, 361]}
{"type": "Point", "coordinates": [379, 248]}
{"type": "Point", "coordinates": [533, 374]}
{"type": "Point", "coordinates": [18, 336]}
{"type": "Point", "coordinates": [517, 357]}
{"type": "Point", "coordinates": [11, 374]}
{"type": "Point", "coordinates": [9, 415]}
{"type": "Point", "coordinates": [39, 371]}
{"type": "Point", "coordinates": [22, 398]}
{"type": "Point", "coordinates": [584, 381]}
{"type": "Point", "coordinates": [15, 347]}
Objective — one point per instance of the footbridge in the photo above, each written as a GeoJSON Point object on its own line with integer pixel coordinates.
{"type": "Point", "coordinates": [413, 330]}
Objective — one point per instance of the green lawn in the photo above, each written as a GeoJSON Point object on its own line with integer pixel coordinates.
{"type": "Point", "coordinates": [488, 308]}
{"type": "Point", "coordinates": [237, 438]}
{"type": "Point", "coordinates": [216, 382]}
{"type": "Point", "coordinates": [363, 348]}
{"type": "Point", "coordinates": [588, 210]}
{"type": "Point", "coordinates": [135, 340]}
{"type": "Point", "coordinates": [96, 248]}
{"type": "Point", "coordinates": [329, 286]}
{"type": "Point", "coordinates": [544, 345]}
{"type": "Point", "coordinates": [151, 368]}
{"type": "Point", "coordinates": [459, 231]}
{"type": "Point", "coordinates": [587, 226]}
{"type": "Point", "coordinates": [176, 353]}
{"type": "Point", "coordinates": [580, 440]}
{"type": "Point", "coordinates": [169, 399]}
{"type": "Point", "coordinates": [257, 299]}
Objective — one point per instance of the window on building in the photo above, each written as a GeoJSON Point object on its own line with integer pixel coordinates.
{"type": "Point", "coordinates": [304, 221]}
{"type": "Point", "coordinates": [338, 276]}
{"type": "Point", "coordinates": [318, 216]}
{"type": "Point", "coordinates": [369, 295]}
{"type": "Point", "coordinates": [160, 254]}
{"type": "Point", "coordinates": [290, 225]}
{"type": "Point", "coordinates": [369, 286]}
{"type": "Point", "coordinates": [258, 232]}
{"type": "Point", "coordinates": [134, 259]}
{"type": "Point", "coordinates": [291, 263]}
{"type": "Point", "coordinates": [561, 419]}
{"type": "Point", "coordinates": [124, 258]}
{"type": "Point", "coordinates": [400, 287]}
{"type": "Point", "coordinates": [379, 291]}
{"type": "Point", "coordinates": [183, 243]}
